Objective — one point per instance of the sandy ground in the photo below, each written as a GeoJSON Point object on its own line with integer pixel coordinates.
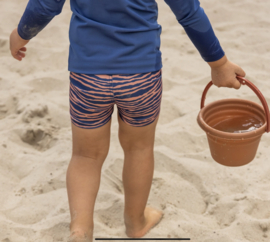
{"type": "Point", "coordinates": [201, 199]}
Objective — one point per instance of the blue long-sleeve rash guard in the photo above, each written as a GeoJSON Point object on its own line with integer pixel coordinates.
{"type": "Point", "coordinates": [120, 36]}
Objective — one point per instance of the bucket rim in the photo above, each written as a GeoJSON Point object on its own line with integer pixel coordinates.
{"type": "Point", "coordinates": [226, 135]}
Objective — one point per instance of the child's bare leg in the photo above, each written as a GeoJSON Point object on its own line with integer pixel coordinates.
{"type": "Point", "coordinates": [90, 148]}
{"type": "Point", "coordinates": [138, 145]}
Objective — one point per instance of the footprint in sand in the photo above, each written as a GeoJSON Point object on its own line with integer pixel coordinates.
{"type": "Point", "coordinates": [38, 138]}
{"type": "Point", "coordinates": [225, 213]}
{"type": "Point", "coordinates": [32, 110]}
{"type": "Point", "coordinates": [258, 209]}
{"type": "Point", "coordinates": [189, 188]}
{"type": "Point", "coordinates": [37, 132]}
{"type": "Point", "coordinates": [254, 229]}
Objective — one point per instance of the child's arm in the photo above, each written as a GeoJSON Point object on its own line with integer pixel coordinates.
{"type": "Point", "coordinates": [37, 15]}
{"type": "Point", "coordinates": [198, 28]}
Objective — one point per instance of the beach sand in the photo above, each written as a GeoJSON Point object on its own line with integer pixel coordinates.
{"type": "Point", "coordinates": [200, 198]}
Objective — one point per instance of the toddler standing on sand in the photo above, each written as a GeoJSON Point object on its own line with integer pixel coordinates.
{"type": "Point", "coordinates": [115, 58]}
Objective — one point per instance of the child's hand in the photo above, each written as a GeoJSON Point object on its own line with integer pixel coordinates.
{"type": "Point", "coordinates": [16, 45]}
{"type": "Point", "coordinates": [224, 73]}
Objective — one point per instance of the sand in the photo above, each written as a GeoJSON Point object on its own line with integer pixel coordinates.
{"type": "Point", "coordinates": [200, 198]}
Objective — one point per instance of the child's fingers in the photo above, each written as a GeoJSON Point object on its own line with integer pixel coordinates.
{"type": "Point", "coordinates": [21, 54]}
{"type": "Point", "coordinates": [17, 57]}
{"type": "Point", "coordinates": [239, 71]}
{"type": "Point", "coordinates": [23, 49]}
{"type": "Point", "coordinates": [236, 84]}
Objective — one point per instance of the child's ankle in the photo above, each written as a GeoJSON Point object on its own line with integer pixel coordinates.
{"type": "Point", "coordinates": [134, 222]}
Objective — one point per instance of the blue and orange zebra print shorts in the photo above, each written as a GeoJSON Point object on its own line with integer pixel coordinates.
{"type": "Point", "coordinates": [92, 98]}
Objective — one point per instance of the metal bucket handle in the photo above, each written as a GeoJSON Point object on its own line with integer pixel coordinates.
{"type": "Point", "coordinates": [244, 81]}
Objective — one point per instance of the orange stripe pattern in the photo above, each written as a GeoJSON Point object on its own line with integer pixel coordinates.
{"type": "Point", "coordinates": [92, 98]}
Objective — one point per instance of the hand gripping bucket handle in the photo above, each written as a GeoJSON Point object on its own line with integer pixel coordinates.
{"type": "Point", "coordinates": [244, 81]}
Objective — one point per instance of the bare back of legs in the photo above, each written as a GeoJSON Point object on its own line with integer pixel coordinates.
{"type": "Point", "coordinates": [90, 149]}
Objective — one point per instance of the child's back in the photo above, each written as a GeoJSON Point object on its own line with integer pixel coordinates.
{"type": "Point", "coordinates": [116, 37]}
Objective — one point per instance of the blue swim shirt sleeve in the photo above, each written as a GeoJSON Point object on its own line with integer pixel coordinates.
{"type": "Point", "coordinates": [198, 28]}
{"type": "Point", "coordinates": [37, 15]}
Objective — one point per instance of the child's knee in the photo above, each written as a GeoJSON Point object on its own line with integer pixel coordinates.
{"type": "Point", "coordinates": [137, 146]}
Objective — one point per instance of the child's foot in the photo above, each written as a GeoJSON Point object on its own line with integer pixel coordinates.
{"type": "Point", "coordinates": [152, 218]}
{"type": "Point", "coordinates": [80, 236]}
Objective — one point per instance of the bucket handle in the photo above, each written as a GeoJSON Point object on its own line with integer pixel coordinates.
{"type": "Point", "coordinates": [244, 81]}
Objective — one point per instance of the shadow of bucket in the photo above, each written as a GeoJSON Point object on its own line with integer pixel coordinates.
{"type": "Point", "coordinates": [233, 149]}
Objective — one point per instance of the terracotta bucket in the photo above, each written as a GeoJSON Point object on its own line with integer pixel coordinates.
{"type": "Point", "coordinates": [233, 149]}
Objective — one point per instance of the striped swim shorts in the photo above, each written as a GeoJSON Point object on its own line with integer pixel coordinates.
{"type": "Point", "coordinates": [92, 98]}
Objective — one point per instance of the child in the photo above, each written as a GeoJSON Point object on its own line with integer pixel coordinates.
{"type": "Point", "coordinates": [114, 57]}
